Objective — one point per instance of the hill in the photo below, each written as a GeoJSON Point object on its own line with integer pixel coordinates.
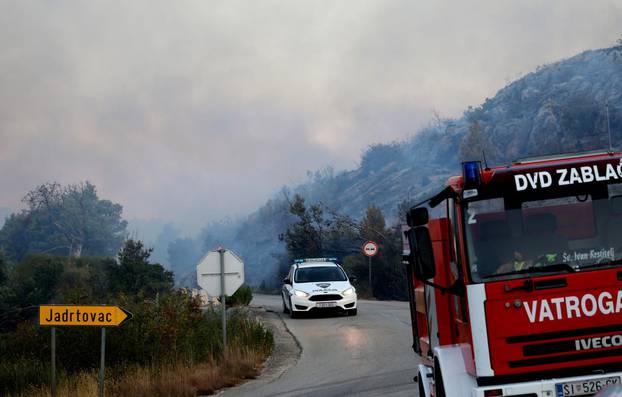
{"type": "Point", "coordinates": [561, 107]}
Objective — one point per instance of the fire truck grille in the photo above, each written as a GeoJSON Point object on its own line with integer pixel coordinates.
{"type": "Point", "coordinates": [565, 358]}
{"type": "Point", "coordinates": [322, 298]}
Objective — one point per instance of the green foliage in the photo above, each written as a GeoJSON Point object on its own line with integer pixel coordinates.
{"type": "Point", "coordinates": [22, 373]}
{"type": "Point", "coordinates": [316, 234]}
{"type": "Point", "coordinates": [388, 273]}
{"type": "Point", "coordinates": [242, 297]}
{"type": "Point", "coordinates": [170, 329]}
{"type": "Point", "coordinates": [4, 269]}
{"type": "Point", "coordinates": [67, 220]}
{"type": "Point", "coordinates": [247, 332]}
{"type": "Point", "coordinates": [306, 237]}
{"type": "Point", "coordinates": [135, 274]}
{"type": "Point", "coordinates": [43, 278]}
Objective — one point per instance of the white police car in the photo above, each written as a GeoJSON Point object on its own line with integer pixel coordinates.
{"type": "Point", "coordinates": [317, 284]}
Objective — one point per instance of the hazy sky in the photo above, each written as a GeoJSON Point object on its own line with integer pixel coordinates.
{"type": "Point", "coordinates": [193, 110]}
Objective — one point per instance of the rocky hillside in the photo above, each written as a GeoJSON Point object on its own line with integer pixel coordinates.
{"type": "Point", "coordinates": [558, 108]}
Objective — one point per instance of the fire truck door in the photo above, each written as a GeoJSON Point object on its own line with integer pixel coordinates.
{"type": "Point", "coordinates": [459, 314]}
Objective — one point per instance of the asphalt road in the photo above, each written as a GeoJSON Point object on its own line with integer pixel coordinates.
{"type": "Point", "coordinates": [365, 355]}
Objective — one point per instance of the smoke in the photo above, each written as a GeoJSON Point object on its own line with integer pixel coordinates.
{"type": "Point", "coordinates": [194, 110]}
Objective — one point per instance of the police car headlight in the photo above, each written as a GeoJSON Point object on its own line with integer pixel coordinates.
{"type": "Point", "coordinates": [348, 292]}
{"type": "Point", "coordinates": [300, 294]}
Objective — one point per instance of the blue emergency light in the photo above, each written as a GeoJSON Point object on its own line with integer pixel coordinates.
{"type": "Point", "coordinates": [471, 173]}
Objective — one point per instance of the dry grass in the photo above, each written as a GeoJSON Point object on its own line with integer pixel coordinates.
{"type": "Point", "coordinates": [83, 385]}
{"type": "Point", "coordinates": [178, 380]}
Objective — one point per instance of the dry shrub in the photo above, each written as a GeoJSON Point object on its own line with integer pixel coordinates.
{"type": "Point", "coordinates": [83, 384]}
{"type": "Point", "coordinates": [179, 380]}
{"type": "Point", "coordinates": [182, 380]}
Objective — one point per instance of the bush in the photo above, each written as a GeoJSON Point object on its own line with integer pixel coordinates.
{"type": "Point", "coordinates": [169, 327]}
{"type": "Point", "coordinates": [242, 297]}
{"type": "Point", "coordinates": [169, 330]}
{"type": "Point", "coordinates": [20, 374]}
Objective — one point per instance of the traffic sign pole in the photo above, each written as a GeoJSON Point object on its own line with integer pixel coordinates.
{"type": "Point", "coordinates": [369, 279]}
{"type": "Point", "coordinates": [53, 348]}
{"type": "Point", "coordinates": [370, 248]}
{"type": "Point", "coordinates": [102, 363]}
{"type": "Point", "coordinates": [223, 302]}
{"type": "Point", "coordinates": [81, 316]}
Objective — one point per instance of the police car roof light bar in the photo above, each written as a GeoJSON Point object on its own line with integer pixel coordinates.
{"type": "Point", "coordinates": [314, 260]}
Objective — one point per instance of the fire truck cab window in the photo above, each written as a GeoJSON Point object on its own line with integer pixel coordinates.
{"type": "Point", "coordinates": [513, 240]}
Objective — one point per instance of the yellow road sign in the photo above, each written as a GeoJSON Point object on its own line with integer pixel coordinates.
{"type": "Point", "coordinates": [82, 316]}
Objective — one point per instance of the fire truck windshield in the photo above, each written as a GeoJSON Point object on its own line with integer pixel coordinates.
{"type": "Point", "coordinates": [510, 239]}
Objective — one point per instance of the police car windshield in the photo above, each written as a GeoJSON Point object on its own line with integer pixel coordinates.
{"type": "Point", "coordinates": [507, 239]}
{"type": "Point", "coordinates": [318, 274]}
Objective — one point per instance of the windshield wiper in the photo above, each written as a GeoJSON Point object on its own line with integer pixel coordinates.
{"type": "Point", "coordinates": [557, 267]}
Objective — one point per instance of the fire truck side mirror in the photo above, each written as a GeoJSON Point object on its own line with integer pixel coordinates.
{"type": "Point", "coordinates": [417, 217]}
{"type": "Point", "coordinates": [421, 246]}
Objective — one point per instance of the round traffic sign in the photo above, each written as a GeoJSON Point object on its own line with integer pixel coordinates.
{"type": "Point", "coordinates": [370, 248]}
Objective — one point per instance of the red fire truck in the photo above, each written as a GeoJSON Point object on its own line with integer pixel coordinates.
{"type": "Point", "coordinates": [515, 279]}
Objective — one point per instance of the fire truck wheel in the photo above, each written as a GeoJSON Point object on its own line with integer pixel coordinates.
{"type": "Point", "coordinates": [438, 380]}
{"type": "Point", "coordinates": [285, 309]}
{"type": "Point", "coordinates": [352, 312]}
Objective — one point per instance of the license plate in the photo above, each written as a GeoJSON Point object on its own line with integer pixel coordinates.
{"type": "Point", "coordinates": [583, 387]}
{"type": "Point", "coordinates": [326, 304]}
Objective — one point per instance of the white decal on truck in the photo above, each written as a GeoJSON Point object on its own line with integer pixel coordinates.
{"type": "Point", "coordinates": [591, 255]}
{"type": "Point", "coordinates": [573, 307]}
{"type": "Point", "coordinates": [567, 176]}
{"type": "Point", "coordinates": [598, 342]}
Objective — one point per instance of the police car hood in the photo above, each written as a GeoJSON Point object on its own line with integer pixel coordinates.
{"type": "Point", "coordinates": [323, 287]}
{"type": "Point", "coordinates": [553, 322]}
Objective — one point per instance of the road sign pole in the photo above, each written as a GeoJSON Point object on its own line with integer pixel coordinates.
{"type": "Point", "coordinates": [223, 302]}
{"type": "Point", "coordinates": [370, 249]}
{"type": "Point", "coordinates": [102, 363]}
{"type": "Point", "coordinates": [371, 290]}
{"type": "Point", "coordinates": [53, 348]}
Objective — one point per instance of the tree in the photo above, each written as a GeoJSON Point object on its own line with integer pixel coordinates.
{"type": "Point", "coordinates": [373, 225]}
{"type": "Point", "coordinates": [4, 269]}
{"type": "Point", "coordinates": [134, 273]}
{"type": "Point", "coordinates": [318, 234]}
{"type": "Point", "coordinates": [473, 144]}
{"type": "Point", "coordinates": [65, 220]}
{"type": "Point", "coordinates": [306, 237]}
{"type": "Point", "coordinates": [388, 273]}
